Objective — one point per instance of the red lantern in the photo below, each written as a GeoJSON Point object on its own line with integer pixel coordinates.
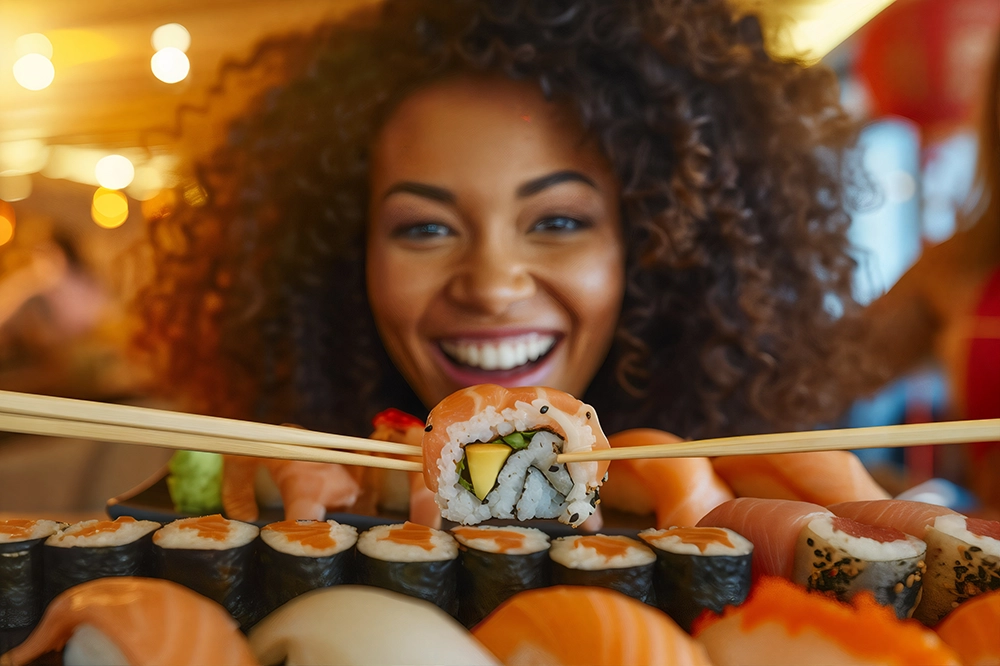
{"type": "Point", "coordinates": [926, 59]}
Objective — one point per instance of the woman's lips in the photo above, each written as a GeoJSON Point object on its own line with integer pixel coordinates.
{"type": "Point", "coordinates": [509, 360]}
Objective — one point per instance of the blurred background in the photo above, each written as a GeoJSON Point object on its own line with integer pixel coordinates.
{"type": "Point", "coordinates": [90, 94]}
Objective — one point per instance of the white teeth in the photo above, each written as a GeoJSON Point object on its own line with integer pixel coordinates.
{"type": "Point", "coordinates": [499, 354]}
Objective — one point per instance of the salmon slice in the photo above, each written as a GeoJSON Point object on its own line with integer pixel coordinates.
{"type": "Point", "coordinates": [567, 626]}
{"type": "Point", "coordinates": [772, 525]}
{"type": "Point", "coordinates": [238, 498]}
{"type": "Point", "coordinates": [679, 490]}
{"type": "Point", "coordinates": [973, 630]}
{"type": "Point", "coordinates": [821, 477]}
{"type": "Point", "coordinates": [908, 517]}
{"type": "Point", "coordinates": [151, 622]}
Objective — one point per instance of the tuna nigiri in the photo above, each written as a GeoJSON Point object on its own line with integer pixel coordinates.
{"type": "Point", "coordinates": [810, 546]}
{"type": "Point", "coordinates": [135, 621]}
{"type": "Point", "coordinates": [973, 630]}
{"type": "Point", "coordinates": [567, 626]}
{"type": "Point", "coordinates": [963, 554]}
{"type": "Point", "coordinates": [679, 490]}
{"type": "Point", "coordinates": [491, 452]}
{"type": "Point", "coordinates": [781, 624]}
{"type": "Point", "coordinates": [821, 477]}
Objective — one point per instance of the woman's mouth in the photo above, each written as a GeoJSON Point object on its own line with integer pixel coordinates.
{"type": "Point", "coordinates": [511, 359]}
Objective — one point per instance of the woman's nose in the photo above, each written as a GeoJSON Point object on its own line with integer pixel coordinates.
{"type": "Point", "coordinates": [490, 279]}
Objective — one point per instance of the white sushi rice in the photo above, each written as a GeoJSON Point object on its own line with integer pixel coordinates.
{"type": "Point", "coordinates": [181, 534]}
{"type": "Point", "coordinates": [673, 543]}
{"type": "Point", "coordinates": [344, 536]}
{"type": "Point", "coordinates": [374, 543]}
{"type": "Point", "coordinates": [482, 538]}
{"type": "Point", "coordinates": [125, 532]}
{"type": "Point", "coordinates": [953, 525]}
{"type": "Point", "coordinates": [36, 529]}
{"type": "Point", "coordinates": [566, 552]}
{"type": "Point", "coordinates": [864, 548]}
{"type": "Point", "coordinates": [531, 484]}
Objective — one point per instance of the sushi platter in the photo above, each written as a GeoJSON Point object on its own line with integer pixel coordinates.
{"type": "Point", "coordinates": [518, 544]}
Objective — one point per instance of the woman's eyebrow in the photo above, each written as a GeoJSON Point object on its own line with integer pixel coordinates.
{"type": "Point", "coordinates": [538, 184]}
{"type": "Point", "coordinates": [421, 190]}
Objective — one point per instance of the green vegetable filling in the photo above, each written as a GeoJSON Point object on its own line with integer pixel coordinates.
{"type": "Point", "coordinates": [518, 441]}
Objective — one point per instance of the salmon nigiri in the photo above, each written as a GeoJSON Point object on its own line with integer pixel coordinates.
{"type": "Point", "coordinates": [490, 452]}
{"type": "Point", "coordinates": [135, 621]}
{"type": "Point", "coordinates": [973, 630]}
{"type": "Point", "coordinates": [566, 626]}
{"type": "Point", "coordinates": [821, 477]}
{"type": "Point", "coordinates": [911, 517]}
{"type": "Point", "coordinates": [782, 625]}
{"type": "Point", "coordinates": [837, 556]}
{"type": "Point", "coordinates": [679, 490]}
{"type": "Point", "coordinates": [402, 491]}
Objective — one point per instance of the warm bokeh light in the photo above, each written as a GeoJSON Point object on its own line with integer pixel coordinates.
{"type": "Point", "coordinates": [25, 156]}
{"type": "Point", "coordinates": [34, 42]}
{"type": "Point", "coordinates": [171, 34]}
{"type": "Point", "coordinates": [109, 209]}
{"type": "Point", "coordinates": [6, 222]}
{"type": "Point", "coordinates": [14, 186]}
{"type": "Point", "coordinates": [170, 65]}
{"type": "Point", "coordinates": [114, 172]}
{"type": "Point", "coordinates": [34, 71]}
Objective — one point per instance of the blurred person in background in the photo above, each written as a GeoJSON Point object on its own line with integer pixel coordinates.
{"type": "Point", "coordinates": [948, 304]}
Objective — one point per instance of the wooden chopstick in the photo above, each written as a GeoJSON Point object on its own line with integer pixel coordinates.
{"type": "Point", "coordinates": [918, 434]}
{"type": "Point", "coordinates": [26, 404]}
{"type": "Point", "coordinates": [107, 432]}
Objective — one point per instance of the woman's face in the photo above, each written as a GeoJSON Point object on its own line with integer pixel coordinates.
{"type": "Point", "coordinates": [495, 249]}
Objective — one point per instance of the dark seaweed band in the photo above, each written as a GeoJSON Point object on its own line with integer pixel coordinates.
{"type": "Point", "coordinates": [686, 585]}
{"type": "Point", "coordinates": [224, 576]}
{"type": "Point", "coordinates": [431, 581]}
{"type": "Point", "coordinates": [636, 582]}
{"type": "Point", "coordinates": [284, 577]}
{"type": "Point", "coordinates": [21, 583]}
{"type": "Point", "coordinates": [486, 580]}
{"type": "Point", "coordinates": [66, 567]}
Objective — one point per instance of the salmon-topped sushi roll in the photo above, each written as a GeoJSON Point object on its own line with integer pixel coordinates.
{"type": "Point", "coordinates": [490, 452]}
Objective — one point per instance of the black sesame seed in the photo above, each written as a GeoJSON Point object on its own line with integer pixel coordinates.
{"type": "Point", "coordinates": [810, 542]}
{"type": "Point", "coordinates": [429, 428]}
{"type": "Point", "coordinates": [575, 517]}
{"type": "Point", "coordinates": [818, 553]}
{"type": "Point", "coordinates": [554, 468]}
{"type": "Point", "coordinates": [544, 409]}
{"type": "Point", "coordinates": [588, 415]}
{"type": "Point", "coordinates": [974, 549]}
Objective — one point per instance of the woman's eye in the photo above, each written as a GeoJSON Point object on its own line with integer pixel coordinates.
{"type": "Point", "coordinates": [560, 224]}
{"type": "Point", "coordinates": [423, 231]}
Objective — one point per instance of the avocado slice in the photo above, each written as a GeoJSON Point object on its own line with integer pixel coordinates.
{"type": "Point", "coordinates": [484, 462]}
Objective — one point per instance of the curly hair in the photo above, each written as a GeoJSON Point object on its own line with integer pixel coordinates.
{"type": "Point", "coordinates": [734, 168]}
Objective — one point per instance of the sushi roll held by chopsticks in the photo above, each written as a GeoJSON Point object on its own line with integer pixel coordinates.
{"type": "Point", "coordinates": [490, 452]}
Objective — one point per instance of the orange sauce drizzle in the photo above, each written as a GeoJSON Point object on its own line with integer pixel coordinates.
{"type": "Point", "coordinates": [313, 534]}
{"type": "Point", "coordinates": [103, 526]}
{"type": "Point", "coordinates": [213, 527]}
{"type": "Point", "coordinates": [699, 536]}
{"type": "Point", "coordinates": [608, 546]}
{"type": "Point", "coordinates": [505, 540]}
{"type": "Point", "coordinates": [411, 534]}
{"type": "Point", "coordinates": [18, 528]}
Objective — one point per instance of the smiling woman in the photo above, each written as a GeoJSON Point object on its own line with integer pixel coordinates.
{"type": "Point", "coordinates": [627, 201]}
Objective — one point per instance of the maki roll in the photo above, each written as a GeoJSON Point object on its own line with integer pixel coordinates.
{"type": "Point", "coordinates": [297, 556]}
{"type": "Point", "coordinates": [842, 557]}
{"type": "Point", "coordinates": [490, 452]}
{"type": "Point", "coordinates": [699, 568]}
{"type": "Point", "coordinates": [97, 549]}
{"type": "Point", "coordinates": [963, 560]}
{"type": "Point", "coordinates": [495, 563]}
{"type": "Point", "coordinates": [21, 581]}
{"type": "Point", "coordinates": [615, 562]}
{"type": "Point", "coordinates": [215, 558]}
{"type": "Point", "coordinates": [411, 559]}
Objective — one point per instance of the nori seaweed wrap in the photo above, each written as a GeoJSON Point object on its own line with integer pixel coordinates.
{"type": "Point", "coordinates": [495, 563]}
{"type": "Point", "coordinates": [413, 560]}
{"type": "Point", "coordinates": [97, 549]}
{"type": "Point", "coordinates": [699, 568]}
{"type": "Point", "coordinates": [303, 555]}
{"type": "Point", "coordinates": [21, 577]}
{"type": "Point", "coordinates": [216, 558]}
{"type": "Point", "coordinates": [615, 562]}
